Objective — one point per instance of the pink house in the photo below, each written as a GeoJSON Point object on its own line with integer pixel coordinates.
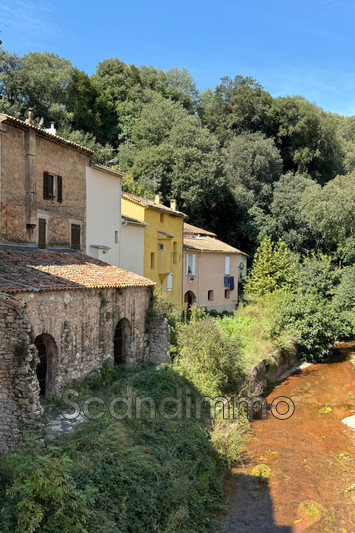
{"type": "Point", "coordinates": [212, 270]}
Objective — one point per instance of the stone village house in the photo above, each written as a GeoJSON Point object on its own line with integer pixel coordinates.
{"type": "Point", "coordinates": [62, 313]}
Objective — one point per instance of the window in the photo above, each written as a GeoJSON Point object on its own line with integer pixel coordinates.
{"type": "Point", "coordinates": [227, 293]}
{"type": "Point", "coordinates": [170, 282]}
{"type": "Point", "coordinates": [227, 266]}
{"type": "Point", "coordinates": [161, 217]}
{"type": "Point", "coordinates": [211, 295]}
{"type": "Point", "coordinates": [152, 260]}
{"type": "Point", "coordinates": [52, 187]}
{"type": "Point", "coordinates": [175, 255]}
{"type": "Point", "coordinates": [190, 264]}
{"type": "Point", "coordinates": [160, 247]}
{"type": "Point", "coordinates": [116, 237]}
{"type": "Point", "coordinates": [42, 233]}
{"type": "Point", "coordinates": [75, 236]}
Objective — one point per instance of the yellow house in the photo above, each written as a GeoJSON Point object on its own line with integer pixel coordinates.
{"type": "Point", "coordinates": [163, 242]}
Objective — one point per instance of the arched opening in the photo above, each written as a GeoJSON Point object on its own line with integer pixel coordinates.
{"type": "Point", "coordinates": [121, 341]}
{"type": "Point", "coordinates": [189, 299]}
{"type": "Point", "coordinates": [46, 348]}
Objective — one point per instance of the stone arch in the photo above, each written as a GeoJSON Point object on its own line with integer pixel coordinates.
{"type": "Point", "coordinates": [122, 341]}
{"type": "Point", "coordinates": [45, 370]}
{"type": "Point", "coordinates": [189, 299]}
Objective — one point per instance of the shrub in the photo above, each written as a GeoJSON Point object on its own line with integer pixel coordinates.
{"type": "Point", "coordinates": [209, 358]}
{"type": "Point", "coordinates": [312, 321]}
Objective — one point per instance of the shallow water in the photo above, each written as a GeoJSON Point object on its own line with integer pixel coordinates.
{"type": "Point", "coordinates": [311, 456]}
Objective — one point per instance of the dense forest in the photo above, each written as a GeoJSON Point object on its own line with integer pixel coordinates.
{"type": "Point", "coordinates": [238, 161]}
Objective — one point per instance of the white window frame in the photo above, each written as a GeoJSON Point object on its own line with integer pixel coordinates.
{"type": "Point", "coordinates": [190, 264]}
{"type": "Point", "coordinates": [227, 265]}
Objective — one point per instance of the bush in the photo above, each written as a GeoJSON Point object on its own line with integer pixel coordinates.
{"type": "Point", "coordinates": [318, 274]}
{"type": "Point", "coordinates": [344, 299]}
{"type": "Point", "coordinates": [209, 358]}
{"type": "Point", "coordinates": [312, 321]}
{"type": "Point", "coordinates": [118, 476]}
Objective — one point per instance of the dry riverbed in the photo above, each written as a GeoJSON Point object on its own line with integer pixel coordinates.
{"type": "Point", "coordinates": [308, 460]}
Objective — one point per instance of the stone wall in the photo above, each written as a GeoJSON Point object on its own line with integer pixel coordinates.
{"type": "Point", "coordinates": [82, 323]}
{"type": "Point", "coordinates": [79, 328]}
{"type": "Point", "coordinates": [25, 156]}
{"type": "Point", "coordinates": [20, 408]}
{"type": "Point", "coordinates": [159, 341]}
{"type": "Point", "coordinates": [271, 370]}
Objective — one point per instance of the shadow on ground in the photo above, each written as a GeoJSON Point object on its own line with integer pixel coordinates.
{"type": "Point", "coordinates": [251, 508]}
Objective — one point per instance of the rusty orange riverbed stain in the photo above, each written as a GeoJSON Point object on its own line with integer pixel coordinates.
{"type": "Point", "coordinates": [312, 454]}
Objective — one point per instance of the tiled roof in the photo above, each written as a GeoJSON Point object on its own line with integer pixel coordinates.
{"type": "Point", "coordinates": [209, 244]}
{"type": "Point", "coordinates": [17, 123]}
{"type": "Point", "coordinates": [22, 271]}
{"type": "Point", "coordinates": [150, 203]}
{"type": "Point", "coordinates": [108, 170]}
{"type": "Point", "coordinates": [189, 228]}
{"type": "Point", "coordinates": [131, 220]}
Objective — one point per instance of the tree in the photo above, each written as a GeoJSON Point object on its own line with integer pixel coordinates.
{"type": "Point", "coordinates": [171, 153]}
{"type": "Point", "coordinates": [38, 80]}
{"type": "Point", "coordinates": [307, 138]}
{"type": "Point", "coordinates": [285, 210]}
{"type": "Point", "coordinates": [330, 209]}
{"type": "Point", "coordinates": [252, 162]}
{"type": "Point", "coordinates": [237, 106]}
{"type": "Point", "coordinates": [274, 268]}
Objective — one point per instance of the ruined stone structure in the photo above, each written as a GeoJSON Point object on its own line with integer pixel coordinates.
{"type": "Point", "coordinates": [63, 317]}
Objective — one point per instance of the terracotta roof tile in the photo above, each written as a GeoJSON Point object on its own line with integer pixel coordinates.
{"type": "Point", "coordinates": [17, 123]}
{"type": "Point", "coordinates": [209, 244]}
{"type": "Point", "coordinates": [150, 203]}
{"type": "Point", "coordinates": [189, 228]}
{"type": "Point", "coordinates": [22, 271]}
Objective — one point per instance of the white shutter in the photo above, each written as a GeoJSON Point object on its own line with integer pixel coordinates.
{"type": "Point", "coordinates": [193, 264]}
{"type": "Point", "coordinates": [170, 282]}
{"type": "Point", "coordinates": [227, 266]}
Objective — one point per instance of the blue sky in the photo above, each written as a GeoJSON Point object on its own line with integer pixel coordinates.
{"type": "Point", "coordinates": [302, 47]}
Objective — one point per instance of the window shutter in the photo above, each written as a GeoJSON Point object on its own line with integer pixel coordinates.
{"type": "Point", "coordinates": [187, 264]}
{"type": "Point", "coordinates": [42, 233]}
{"type": "Point", "coordinates": [75, 236]}
{"type": "Point", "coordinates": [45, 185]}
{"type": "Point", "coordinates": [59, 189]}
{"type": "Point", "coordinates": [170, 282]}
{"type": "Point", "coordinates": [193, 266]}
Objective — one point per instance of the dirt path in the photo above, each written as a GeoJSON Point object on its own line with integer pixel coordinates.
{"type": "Point", "coordinates": [311, 457]}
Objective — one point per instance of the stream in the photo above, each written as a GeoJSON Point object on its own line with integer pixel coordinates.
{"type": "Point", "coordinates": [309, 458]}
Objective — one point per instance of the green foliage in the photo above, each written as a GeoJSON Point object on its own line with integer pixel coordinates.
{"type": "Point", "coordinates": [274, 268]}
{"type": "Point", "coordinates": [311, 321]}
{"type": "Point", "coordinates": [344, 299]}
{"type": "Point", "coordinates": [148, 474]}
{"type": "Point", "coordinates": [318, 274]}
{"type": "Point", "coordinates": [45, 493]}
{"type": "Point", "coordinates": [252, 162]}
{"type": "Point", "coordinates": [209, 358]}
{"type": "Point", "coordinates": [331, 209]}
{"type": "Point", "coordinates": [229, 437]}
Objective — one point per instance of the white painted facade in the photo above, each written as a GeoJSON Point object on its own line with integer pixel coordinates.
{"type": "Point", "coordinates": [103, 214]}
{"type": "Point", "coordinates": [132, 246]}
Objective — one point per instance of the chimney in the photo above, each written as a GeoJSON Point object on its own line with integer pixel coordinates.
{"type": "Point", "coordinates": [173, 205]}
{"type": "Point", "coordinates": [30, 116]}
{"type": "Point", "coordinates": [157, 199]}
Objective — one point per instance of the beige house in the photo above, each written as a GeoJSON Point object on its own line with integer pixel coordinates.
{"type": "Point", "coordinates": [212, 270]}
